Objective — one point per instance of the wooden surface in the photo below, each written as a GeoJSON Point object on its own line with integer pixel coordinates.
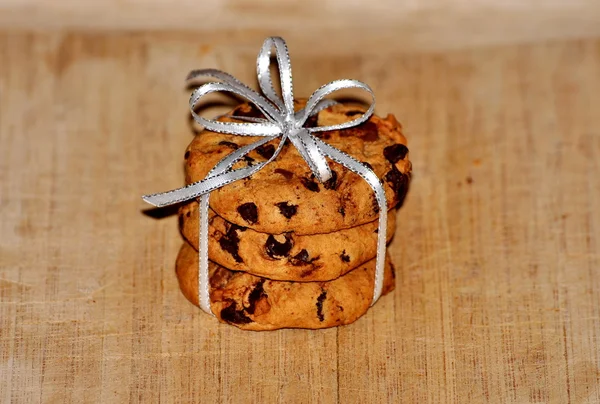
{"type": "Point", "coordinates": [392, 25]}
{"type": "Point", "coordinates": [497, 249]}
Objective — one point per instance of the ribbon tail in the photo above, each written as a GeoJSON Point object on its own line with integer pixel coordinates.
{"type": "Point", "coordinates": [208, 184]}
{"type": "Point", "coordinates": [203, 261]}
{"type": "Point", "coordinates": [228, 161]}
{"type": "Point", "coordinates": [203, 276]}
{"type": "Point", "coordinates": [305, 143]}
{"type": "Point", "coordinates": [369, 176]}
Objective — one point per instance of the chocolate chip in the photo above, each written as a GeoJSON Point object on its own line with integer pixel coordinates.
{"type": "Point", "coordinates": [235, 227]}
{"type": "Point", "coordinates": [399, 183]}
{"type": "Point", "coordinates": [320, 301]}
{"type": "Point", "coordinates": [231, 145]}
{"type": "Point", "coordinates": [353, 112]}
{"type": "Point", "coordinates": [302, 258]}
{"type": "Point", "coordinates": [323, 135]}
{"type": "Point", "coordinates": [277, 250]}
{"type": "Point", "coordinates": [234, 316]}
{"type": "Point", "coordinates": [310, 183]}
{"type": "Point", "coordinates": [371, 133]}
{"type": "Point", "coordinates": [395, 152]}
{"type": "Point", "coordinates": [286, 209]}
{"type": "Point", "coordinates": [249, 160]}
{"type": "Point", "coordinates": [230, 242]}
{"type": "Point", "coordinates": [394, 177]}
{"type": "Point", "coordinates": [312, 121]}
{"type": "Point", "coordinates": [308, 272]}
{"type": "Point", "coordinates": [186, 155]}
{"type": "Point", "coordinates": [248, 110]}
{"type": "Point", "coordinates": [188, 213]}
{"type": "Point", "coordinates": [367, 131]}
{"type": "Point", "coordinates": [257, 293]}
{"type": "Point", "coordinates": [249, 212]}
{"type": "Point", "coordinates": [266, 150]}
{"type": "Point", "coordinates": [342, 211]}
{"type": "Point", "coordinates": [332, 182]}
{"type": "Point", "coordinates": [287, 174]}
{"type": "Point", "coordinates": [345, 257]}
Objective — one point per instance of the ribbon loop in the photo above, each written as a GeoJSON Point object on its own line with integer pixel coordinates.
{"type": "Point", "coordinates": [244, 129]}
{"type": "Point", "coordinates": [285, 74]}
{"type": "Point", "coordinates": [280, 122]}
{"type": "Point", "coordinates": [332, 87]}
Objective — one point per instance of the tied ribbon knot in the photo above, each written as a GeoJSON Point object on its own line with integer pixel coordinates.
{"type": "Point", "coordinates": [280, 121]}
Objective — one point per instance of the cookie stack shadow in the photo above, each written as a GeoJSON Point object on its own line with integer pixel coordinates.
{"type": "Point", "coordinates": [285, 250]}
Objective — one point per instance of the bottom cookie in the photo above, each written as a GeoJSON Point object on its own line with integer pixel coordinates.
{"type": "Point", "coordinates": [253, 303]}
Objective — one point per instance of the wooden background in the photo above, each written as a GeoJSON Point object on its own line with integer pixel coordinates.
{"type": "Point", "coordinates": [348, 25]}
{"type": "Point", "coordinates": [498, 245]}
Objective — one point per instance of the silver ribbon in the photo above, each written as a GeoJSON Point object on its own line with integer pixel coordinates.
{"type": "Point", "coordinates": [280, 122]}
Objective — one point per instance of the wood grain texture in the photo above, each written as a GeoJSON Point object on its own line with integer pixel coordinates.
{"type": "Point", "coordinates": [393, 25]}
{"type": "Point", "coordinates": [497, 249]}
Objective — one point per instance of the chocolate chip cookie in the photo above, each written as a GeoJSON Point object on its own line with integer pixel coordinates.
{"type": "Point", "coordinates": [284, 196]}
{"type": "Point", "coordinates": [253, 303]}
{"type": "Point", "coordinates": [287, 257]}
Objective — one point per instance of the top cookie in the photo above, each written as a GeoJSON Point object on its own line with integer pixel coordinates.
{"type": "Point", "coordinates": [284, 196]}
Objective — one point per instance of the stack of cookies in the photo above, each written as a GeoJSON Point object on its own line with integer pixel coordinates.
{"type": "Point", "coordinates": [287, 251]}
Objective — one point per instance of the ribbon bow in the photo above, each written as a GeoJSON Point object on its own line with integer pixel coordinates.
{"type": "Point", "coordinates": [280, 122]}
